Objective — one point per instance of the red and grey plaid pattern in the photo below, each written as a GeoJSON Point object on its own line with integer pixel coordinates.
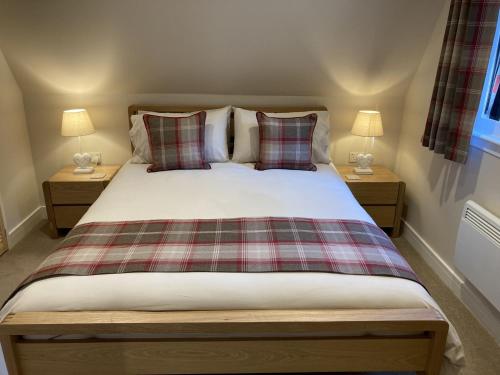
{"type": "Point", "coordinates": [286, 143]}
{"type": "Point", "coordinates": [226, 245]}
{"type": "Point", "coordinates": [177, 142]}
{"type": "Point", "coordinates": [460, 76]}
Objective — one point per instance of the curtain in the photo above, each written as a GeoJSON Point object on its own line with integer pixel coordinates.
{"type": "Point", "coordinates": [459, 80]}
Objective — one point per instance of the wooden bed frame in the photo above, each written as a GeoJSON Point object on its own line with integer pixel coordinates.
{"type": "Point", "coordinates": [226, 342]}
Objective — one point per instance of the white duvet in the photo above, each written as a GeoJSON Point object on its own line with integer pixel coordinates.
{"type": "Point", "coordinates": [227, 190]}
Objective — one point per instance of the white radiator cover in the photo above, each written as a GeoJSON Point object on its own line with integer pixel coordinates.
{"type": "Point", "coordinates": [477, 253]}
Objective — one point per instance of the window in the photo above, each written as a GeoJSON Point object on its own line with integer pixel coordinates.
{"type": "Point", "coordinates": [492, 107]}
{"type": "Point", "coordinates": [486, 135]}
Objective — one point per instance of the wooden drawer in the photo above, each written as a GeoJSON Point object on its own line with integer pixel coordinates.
{"type": "Point", "coordinates": [383, 215]}
{"type": "Point", "coordinates": [375, 193]}
{"type": "Point", "coordinates": [68, 216]}
{"type": "Point", "coordinates": [75, 192]}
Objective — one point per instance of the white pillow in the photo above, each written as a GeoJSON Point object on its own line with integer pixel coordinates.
{"type": "Point", "coordinates": [215, 135]}
{"type": "Point", "coordinates": [246, 135]}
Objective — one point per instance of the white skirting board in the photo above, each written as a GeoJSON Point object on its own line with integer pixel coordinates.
{"type": "Point", "coordinates": [24, 227]}
{"type": "Point", "coordinates": [482, 310]}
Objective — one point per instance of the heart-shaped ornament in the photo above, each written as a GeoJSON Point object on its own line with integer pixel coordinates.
{"type": "Point", "coordinates": [364, 160]}
{"type": "Point", "coordinates": [82, 160]}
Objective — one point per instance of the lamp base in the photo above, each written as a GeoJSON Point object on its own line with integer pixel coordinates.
{"type": "Point", "coordinates": [359, 170]}
{"type": "Point", "coordinates": [82, 162]}
{"type": "Point", "coordinates": [84, 170]}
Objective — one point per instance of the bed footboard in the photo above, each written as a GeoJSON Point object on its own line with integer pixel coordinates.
{"type": "Point", "coordinates": [218, 342]}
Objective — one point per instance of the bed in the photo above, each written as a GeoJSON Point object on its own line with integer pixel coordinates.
{"type": "Point", "coordinates": [225, 322]}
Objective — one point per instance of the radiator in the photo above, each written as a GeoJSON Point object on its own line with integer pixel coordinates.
{"type": "Point", "coordinates": [477, 253]}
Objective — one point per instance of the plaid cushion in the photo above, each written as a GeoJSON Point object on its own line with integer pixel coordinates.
{"type": "Point", "coordinates": [286, 143]}
{"type": "Point", "coordinates": [176, 142]}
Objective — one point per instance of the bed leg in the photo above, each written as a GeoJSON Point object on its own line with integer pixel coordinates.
{"type": "Point", "coordinates": [436, 353]}
{"type": "Point", "coordinates": [8, 348]}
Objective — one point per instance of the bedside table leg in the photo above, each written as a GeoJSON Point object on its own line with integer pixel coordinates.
{"type": "Point", "coordinates": [396, 231]}
{"type": "Point", "coordinates": [53, 232]}
{"type": "Point", "coordinates": [50, 210]}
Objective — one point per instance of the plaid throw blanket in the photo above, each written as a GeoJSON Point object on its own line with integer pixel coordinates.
{"type": "Point", "coordinates": [226, 245]}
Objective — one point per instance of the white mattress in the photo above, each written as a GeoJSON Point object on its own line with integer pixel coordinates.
{"type": "Point", "coordinates": [227, 190]}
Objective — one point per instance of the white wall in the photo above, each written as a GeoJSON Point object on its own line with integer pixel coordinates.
{"type": "Point", "coordinates": [104, 55]}
{"type": "Point", "coordinates": [236, 47]}
{"type": "Point", "coordinates": [437, 188]}
{"type": "Point", "coordinates": [18, 187]}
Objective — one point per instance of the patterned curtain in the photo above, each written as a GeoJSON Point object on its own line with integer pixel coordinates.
{"type": "Point", "coordinates": [459, 81]}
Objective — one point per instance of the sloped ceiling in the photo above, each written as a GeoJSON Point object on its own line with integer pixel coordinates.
{"type": "Point", "coordinates": [247, 47]}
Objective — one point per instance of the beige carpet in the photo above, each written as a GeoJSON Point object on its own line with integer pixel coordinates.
{"type": "Point", "coordinates": [481, 352]}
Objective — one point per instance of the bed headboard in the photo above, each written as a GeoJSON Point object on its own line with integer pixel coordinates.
{"type": "Point", "coordinates": [135, 108]}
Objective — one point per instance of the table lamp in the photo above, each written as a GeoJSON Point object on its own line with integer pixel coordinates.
{"type": "Point", "coordinates": [367, 124]}
{"type": "Point", "coordinates": [76, 123]}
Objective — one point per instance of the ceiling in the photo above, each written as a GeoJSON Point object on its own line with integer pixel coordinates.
{"type": "Point", "coordinates": [251, 47]}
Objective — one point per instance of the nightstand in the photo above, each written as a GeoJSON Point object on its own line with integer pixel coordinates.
{"type": "Point", "coordinates": [68, 196]}
{"type": "Point", "coordinates": [381, 195]}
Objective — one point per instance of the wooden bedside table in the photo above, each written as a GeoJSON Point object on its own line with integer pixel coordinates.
{"type": "Point", "coordinates": [381, 195]}
{"type": "Point", "coordinates": [68, 196]}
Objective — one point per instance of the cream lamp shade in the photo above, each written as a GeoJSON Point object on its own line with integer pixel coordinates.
{"type": "Point", "coordinates": [368, 124]}
{"type": "Point", "coordinates": [75, 123]}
